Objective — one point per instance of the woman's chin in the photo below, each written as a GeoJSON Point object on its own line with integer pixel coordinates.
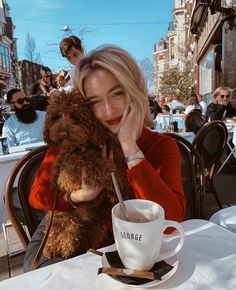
{"type": "Point", "coordinates": [114, 128]}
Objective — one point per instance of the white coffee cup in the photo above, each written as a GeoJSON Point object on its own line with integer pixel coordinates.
{"type": "Point", "coordinates": [138, 240]}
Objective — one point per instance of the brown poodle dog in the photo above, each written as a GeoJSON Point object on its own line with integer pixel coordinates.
{"type": "Point", "coordinates": [71, 125]}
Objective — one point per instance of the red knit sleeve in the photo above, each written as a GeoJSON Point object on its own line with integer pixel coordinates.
{"type": "Point", "coordinates": [41, 194]}
{"type": "Point", "coordinates": [158, 178]}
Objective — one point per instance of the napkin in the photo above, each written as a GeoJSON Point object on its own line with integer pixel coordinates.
{"type": "Point", "coordinates": [159, 269]}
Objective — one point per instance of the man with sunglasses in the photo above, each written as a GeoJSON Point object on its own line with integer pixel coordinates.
{"type": "Point", "coordinates": [220, 108]}
{"type": "Point", "coordinates": [26, 125]}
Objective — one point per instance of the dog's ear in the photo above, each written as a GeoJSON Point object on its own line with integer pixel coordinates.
{"type": "Point", "coordinates": [46, 132]}
{"type": "Point", "coordinates": [52, 107]}
{"type": "Point", "coordinates": [99, 133]}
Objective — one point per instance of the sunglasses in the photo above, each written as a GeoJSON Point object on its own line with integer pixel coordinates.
{"type": "Point", "coordinates": [222, 96]}
{"type": "Point", "coordinates": [22, 100]}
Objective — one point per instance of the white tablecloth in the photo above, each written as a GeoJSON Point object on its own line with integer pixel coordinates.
{"type": "Point", "coordinates": [162, 122]}
{"type": "Point", "coordinates": [7, 162]}
{"type": "Point", "coordinates": [226, 218]}
{"type": "Point", "coordinates": [206, 261]}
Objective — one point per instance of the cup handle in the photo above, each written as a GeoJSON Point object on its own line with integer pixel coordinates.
{"type": "Point", "coordinates": [168, 223]}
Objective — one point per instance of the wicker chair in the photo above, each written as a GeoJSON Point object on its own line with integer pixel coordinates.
{"type": "Point", "coordinates": [210, 143]}
{"type": "Point", "coordinates": [192, 178]}
{"type": "Point", "coordinates": [24, 218]}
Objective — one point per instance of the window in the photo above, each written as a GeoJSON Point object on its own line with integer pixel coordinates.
{"type": "Point", "coordinates": [206, 73]}
{"type": "Point", "coordinates": [171, 45]}
{"type": "Point", "coordinates": [5, 59]}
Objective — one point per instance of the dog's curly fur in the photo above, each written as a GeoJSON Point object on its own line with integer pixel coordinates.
{"type": "Point", "coordinates": [71, 125]}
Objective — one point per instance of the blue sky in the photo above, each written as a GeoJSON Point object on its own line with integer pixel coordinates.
{"type": "Point", "coordinates": [135, 25]}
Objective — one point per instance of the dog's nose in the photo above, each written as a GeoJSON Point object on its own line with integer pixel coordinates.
{"type": "Point", "coordinates": [62, 134]}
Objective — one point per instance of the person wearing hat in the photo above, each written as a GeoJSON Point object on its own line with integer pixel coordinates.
{"type": "Point", "coordinates": [40, 90]}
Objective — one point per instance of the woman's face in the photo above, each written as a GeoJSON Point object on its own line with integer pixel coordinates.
{"type": "Point", "coordinates": [223, 98]}
{"type": "Point", "coordinates": [107, 97]}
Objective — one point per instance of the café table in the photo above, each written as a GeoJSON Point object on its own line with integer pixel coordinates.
{"type": "Point", "coordinates": [189, 136]}
{"type": "Point", "coordinates": [162, 121]}
{"type": "Point", "coordinates": [7, 162]}
{"type": "Point", "coordinates": [226, 218]}
{"type": "Point", "coordinates": [206, 261]}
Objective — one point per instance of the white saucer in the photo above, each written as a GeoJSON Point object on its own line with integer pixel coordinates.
{"type": "Point", "coordinates": [173, 261]}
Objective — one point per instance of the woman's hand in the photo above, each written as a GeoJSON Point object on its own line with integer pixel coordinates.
{"type": "Point", "coordinates": [129, 131]}
{"type": "Point", "coordinates": [130, 127]}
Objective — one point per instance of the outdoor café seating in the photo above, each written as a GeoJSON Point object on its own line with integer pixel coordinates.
{"type": "Point", "coordinates": [23, 217]}
{"type": "Point", "coordinates": [26, 167]}
{"type": "Point", "coordinates": [193, 179]}
{"type": "Point", "coordinates": [194, 121]}
{"type": "Point", "coordinates": [210, 142]}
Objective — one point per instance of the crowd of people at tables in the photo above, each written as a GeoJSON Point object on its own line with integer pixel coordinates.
{"type": "Point", "coordinates": [26, 125]}
{"type": "Point", "coordinates": [218, 109]}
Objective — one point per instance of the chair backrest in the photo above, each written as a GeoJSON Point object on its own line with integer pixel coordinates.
{"type": "Point", "coordinates": [194, 121]}
{"type": "Point", "coordinates": [192, 178]}
{"type": "Point", "coordinates": [210, 142]}
{"type": "Point", "coordinates": [24, 171]}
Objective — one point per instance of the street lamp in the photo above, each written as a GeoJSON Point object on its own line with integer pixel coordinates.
{"type": "Point", "coordinates": [66, 29]}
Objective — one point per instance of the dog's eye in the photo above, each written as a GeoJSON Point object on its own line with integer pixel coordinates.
{"type": "Point", "coordinates": [55, 118]}
{"type": "Point", "coordinates": [76, 118]}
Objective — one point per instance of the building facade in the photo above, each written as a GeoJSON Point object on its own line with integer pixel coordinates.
{"type": "Point", "coordinates": [29, 73]}
{"type": "Point", "coordinates": [213, 23]}
{"type": "Point", "coordinates": [177, 49]}
{"type": "Point", "coordinates": [8, 51]}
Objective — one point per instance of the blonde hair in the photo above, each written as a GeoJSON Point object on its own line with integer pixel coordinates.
{"type": "Point", "coordinates": [118, 62]}
{"type": "Point", "coordinates": [218, 90]}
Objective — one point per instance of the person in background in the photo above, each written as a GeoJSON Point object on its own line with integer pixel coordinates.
{"type": "Point", "coordinates": [202, 104]}
{"type": "Point", "coordinates": [113, 84]}
{"type": "Point", "coordinates": [61, 79]}
{"type": "Point", "coordinates": [26, 125]}
{"type": "Point", "coordinates": [192, 104]}
{"type": "Point", "coordinates": [71, 48]}
{"type": "Point", "coordinates": [40, 90]}
{"type": "Point", "coordinates": [176, 105]}
{"type": "Point", "coordinates": [168, 100]}
{"type": "Point", "coordinates": [160, 107]}
{"type": "Point", "coordinates": [220, 108]}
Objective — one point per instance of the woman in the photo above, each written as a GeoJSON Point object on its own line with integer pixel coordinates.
{"type": "Point", "coordinates": [160, 107]}
{"type": "Point", "coordinates": [220, 107]}
{"type": "Point", "coordinates": [114, 85]}
{"type": "Point", "coordinates": [192, 104]}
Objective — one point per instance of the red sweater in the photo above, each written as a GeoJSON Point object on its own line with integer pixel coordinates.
{"type": "Point", "coordinates": [157, 177]}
